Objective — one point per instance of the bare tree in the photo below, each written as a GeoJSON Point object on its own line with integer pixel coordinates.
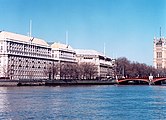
{"type": "Point", "coordinates": [160, 72]}
{"type": "Point", "coordinates": [56, 70]}
{"type": "Point", "coordinates": [6, 71]}
{"type": "Point", "coordinates": [52, 71]}
{"type": "Point", "coordinates": [68, 71]}
{"type": "Point", "coordinates": [74, 71]}
{"type": "Point", "coordinates": [88, 70]}
{"type": "Point", "coordinates": [133, 69]}
{"type": "Point", "coordinates": [48, 71]}
{"type": "Point", "coordinates": [122, 66]}
{"type": "Point", "coordinates": [31, 75]}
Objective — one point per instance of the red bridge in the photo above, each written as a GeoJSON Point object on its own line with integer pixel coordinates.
{"type": "Point", "coordinates": [145, 80]}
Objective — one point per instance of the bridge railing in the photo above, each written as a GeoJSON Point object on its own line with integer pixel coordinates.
{"type": "Point", "coordinates": [134, 78]}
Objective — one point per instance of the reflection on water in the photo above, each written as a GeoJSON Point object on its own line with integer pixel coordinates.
{"type": "Point", "coordinates": [91, 102]}
{"type": "Point", "coordinates": [3, 100]}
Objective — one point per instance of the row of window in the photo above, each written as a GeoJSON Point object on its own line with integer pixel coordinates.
{"type": "Point", "coordinates": [27, 63]}
{"type": "Point", "coordinates": [46, 51]}
{"type": "Point", "coordinates": [15, 58]}
{"type": "Point", "coordinates": [25, 49]}
{"type": "Point", "coordinates": [29, 53]}
{"type": "Point", "coordinates": [27, 73]}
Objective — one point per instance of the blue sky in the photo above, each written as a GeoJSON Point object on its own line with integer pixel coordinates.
{"type": "Point", "coordinates": [127, 27]}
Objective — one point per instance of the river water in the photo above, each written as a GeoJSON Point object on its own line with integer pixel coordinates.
{"type": "Point", "coordinates": [83, 103]}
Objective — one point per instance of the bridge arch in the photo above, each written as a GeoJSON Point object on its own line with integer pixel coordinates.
{"type": "Point", "coordinates": [158, 81]}
{"type": "Point", "coordinates": [133, 81]}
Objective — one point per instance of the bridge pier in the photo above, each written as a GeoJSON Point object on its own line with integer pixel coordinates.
{"type": "Point", "coordinates": [151, 80]}
{"type": "Point", "coordinates": [116, 79]}
{"type": "Point", "coordinates": [151, 83]}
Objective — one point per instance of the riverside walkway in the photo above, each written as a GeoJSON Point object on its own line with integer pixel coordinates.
{"type": "Point", "coordinates": [7, 82]}
{"type": "Point", "coordinates": [124, 81]}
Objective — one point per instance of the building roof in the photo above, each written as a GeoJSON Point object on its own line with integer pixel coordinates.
{"type": "Point", "coordinates": [61, 46]}
{"type": "Point", "coordinates": [88, 52]}
{"type": "Point", "coordinates": [22, 38]}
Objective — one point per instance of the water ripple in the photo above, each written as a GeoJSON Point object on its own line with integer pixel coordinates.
{"type": "Point", "coordinates": [79, 103]}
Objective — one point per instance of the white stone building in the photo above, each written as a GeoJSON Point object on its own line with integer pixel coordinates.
{"type": "Point", "coordinates": [104, 64]}
{"type": "Point", "coordinates": [23, 57]}
{"type": "Point", "coordinates": [62, 52]}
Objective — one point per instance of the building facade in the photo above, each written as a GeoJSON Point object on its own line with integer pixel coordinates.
{"type": "Point", "coordinates": [23, 57]}
{"type": "Point", "coordinates": [159, 51]}
{"type": "Point", "coordinates": [104, 64]}
{"type": "Point", "coordinates": [63, 52]}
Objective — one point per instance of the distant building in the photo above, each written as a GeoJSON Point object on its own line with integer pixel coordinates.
{"type": "Point", "coordinates": [104, 64]}
{"type": "Point", "coordinates": [159, 50]}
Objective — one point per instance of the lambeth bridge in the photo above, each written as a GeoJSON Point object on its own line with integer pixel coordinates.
{"type": "Point", "coordinates": [143, 81]}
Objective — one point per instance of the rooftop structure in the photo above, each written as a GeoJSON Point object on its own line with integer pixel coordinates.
{"type": "Point", "coordinates": [63, 52]}
{"type": "Point", "coordinates": [88, 52]}
{"type": "Point", "coordinates": [22, 38]}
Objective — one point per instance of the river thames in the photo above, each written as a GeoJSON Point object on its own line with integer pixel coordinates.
{"type": "Point", "coordinates": [83, 103]}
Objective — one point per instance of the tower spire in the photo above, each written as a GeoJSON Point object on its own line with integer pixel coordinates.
{"type": "Point", "coordinates": [104, 48]}
{"type": "Point", "coordinates": [67, 37]}
{"type": "Point", "coordinates": [160, 33]}
{"type": "Point", "coordinates": [30, 28]}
